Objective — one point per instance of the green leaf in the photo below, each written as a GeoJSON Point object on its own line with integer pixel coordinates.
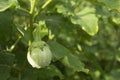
{"type": "Point", "coordinates": [6, 61]}
{"type": "Point", "coordinates": [25, 4]}
{"type": "Point", "coordinates": [65, 10]}
{"type": "Point", "coordinates": [58, 51]}
{"type": "Point", "coordinates": [30, 74]}
{"type": "Point", "coordinates": [87, 20]}
{"type": "Point", "coordinates": [5, 4]}
{"type": "Point", "coordinates": [47, 73]}
{"type": "Point", "coordinates": [113, 4]}
{"type": "Point", "coordinates": [54, 22]}
{"type": "Point", "coordinates": [81, 15]}
{"type": "Point", "coordinates": [50, 72]}
{"type": "Point", "coordinates": [67, 58]}
{"type": "Point", "coordinates": [4, 72]}
{"type": "Point", "coordinates": [6, 58]}
{"type": "Point", "coordinates": [113, 75]}
{"type": "Point", "coordinates": [6, 25]}
{"type": "Point", "coordinates": [13, 78]}
{"type": "Point", "coordinates": [74, 63]}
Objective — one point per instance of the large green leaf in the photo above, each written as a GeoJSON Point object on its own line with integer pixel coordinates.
{"type": "Point", "coordinates": [6, 25]}
{"type": "Point", "coordinates": [6, 58]}
{"type": "Point", "coordinates": [25, 4]}
{"type": "Point", "coordinates": [55, 22]}
{"type": "Point", "coordinates": [4, 72]}
{"type": "Point", "coordinates": [50, 72]}
{"type": "Point", "coordinates": [5, 4]}
{"type": "Point", "coordinates": [87, 19]}
{"type": "Point", "coordinates": [58, 51]}
{"type": "Point", "coordinates": [47, 73]}
{"type": "Point", "coordinates": [29, 74]}
{"type": "Point", "coordinates": [67, 58]}
{"type": "Point", "coordinates": [113, 75]}
{"type": "Point", "coordinates": [81, 15]}
{"type": "Point", "coordinates": [6, 61]}
{"type": "Point", "coordinates": [113, 4]}
{"type": "Point", "coordinates": [73, 62]}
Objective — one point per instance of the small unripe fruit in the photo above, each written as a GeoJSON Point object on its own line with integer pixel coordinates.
{"type": "Point", "coordinates": [39, 54]}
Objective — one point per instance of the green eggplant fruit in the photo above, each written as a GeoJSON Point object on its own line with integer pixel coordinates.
{"type": "Point", "coordinates": [39, 54]}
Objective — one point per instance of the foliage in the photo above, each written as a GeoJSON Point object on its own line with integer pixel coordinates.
{"type": "Point", "coordinates": [83, 37]}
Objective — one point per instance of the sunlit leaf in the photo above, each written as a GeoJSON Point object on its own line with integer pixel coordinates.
{"type": "Point", "coordinates": [87, 20]}
{"type": "Point", "coordinates": [113, 4]}
{"type": "Point", "coordinates": [5, 4]}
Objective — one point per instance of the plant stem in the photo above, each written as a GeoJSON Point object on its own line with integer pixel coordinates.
{"type": "Point", "coordinates": [46, 4]}
{"type": "Point", "coordinates": [13, 46]}
{"type": "Point", "coordinates": [19, 76]}
{"type": "Point", "coordinates": [37, 35]}
{"type": "Point", "coordinates": [32, 17]}
{"type": "Point", "coordinates": [33, 2]}
{"type": "Point", "coordinates": [31, 29]}
{"type": "Point", "coordinates": [43, 6]}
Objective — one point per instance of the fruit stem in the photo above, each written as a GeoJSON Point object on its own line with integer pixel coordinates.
{"type": "Point", "coordinates": [37, 35]}
{"type": "Point", "coordinates": [33, 2]}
